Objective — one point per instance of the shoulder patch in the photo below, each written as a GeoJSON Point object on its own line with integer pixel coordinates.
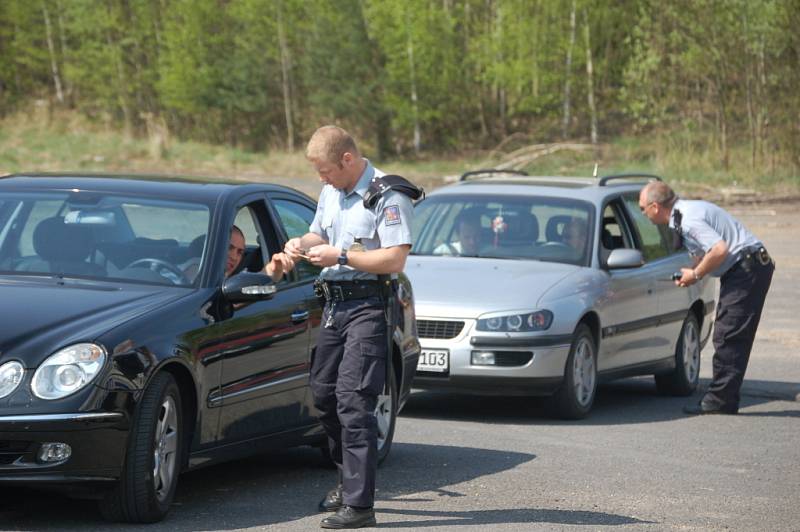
{"type": "Point", "coordinates": [392, 215]}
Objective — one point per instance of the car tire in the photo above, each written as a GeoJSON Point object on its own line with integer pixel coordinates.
{"type": "Point", "coordinates": [683, 380]}
{"type": "Point", "coordinates": [386, 416]}
{"type": "Point", "coordinates": [575, 397]}
{"type": "Point", "coordinates": [153, 458]}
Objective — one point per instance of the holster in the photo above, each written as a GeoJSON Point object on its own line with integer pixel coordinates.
{"type": "Point", "coordinates": [319, 291]}
{"type": "Point", "coordinates": [389, 296]}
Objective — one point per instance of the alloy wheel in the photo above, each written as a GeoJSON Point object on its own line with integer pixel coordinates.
{"type": "Point", "coordinates": [383, 414]}
{"type": "Point", "coordinates": [165, 448]}
{"type": "Point", "coordinates": [584, 374]}
{"type": "Point", "coordinates": [691, 351]}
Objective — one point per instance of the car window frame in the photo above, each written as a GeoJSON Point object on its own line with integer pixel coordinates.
{"type": "Point", "coordinates": [626, 230]}
{"type": "Point", "coordinates": [665, 245]}
{"type": "Point", "coordinates": [298, 200]}
{"type": "Point", "coordinates": [213, 266]}
{"type": "Point", "coordinates": [294, 277]}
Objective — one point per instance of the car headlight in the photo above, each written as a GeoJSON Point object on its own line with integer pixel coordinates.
{"type": "Point", "coordinates": [11, 374]}
{"type": "Point", "coordinates": [68, 370]}
{"type": "Point", "coordinates": [527, 322]}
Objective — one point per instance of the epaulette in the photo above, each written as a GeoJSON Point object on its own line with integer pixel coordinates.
{"type": "Point", "coordinates": [380, 185]}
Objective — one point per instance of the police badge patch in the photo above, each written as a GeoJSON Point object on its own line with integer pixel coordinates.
{"type": "Point", "coordinates": [392, 215]}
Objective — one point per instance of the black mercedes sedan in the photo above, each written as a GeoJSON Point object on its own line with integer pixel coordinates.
{"type": "Point", "coordinates": [131, 350]}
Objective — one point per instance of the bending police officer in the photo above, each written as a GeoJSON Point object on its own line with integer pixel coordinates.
{"type": "Point", "coordinates": [722, 247]}
{"type": "Point", "coordinates": [354, 245]}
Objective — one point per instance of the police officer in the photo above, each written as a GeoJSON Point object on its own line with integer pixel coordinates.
{"type": "Point", "coordinates": [722, 247]}
{"type": "Point", "coordinates": [354, 245]}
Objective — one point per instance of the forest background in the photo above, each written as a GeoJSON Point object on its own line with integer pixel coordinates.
{"type": "Point", "coordinates": [703, 92]}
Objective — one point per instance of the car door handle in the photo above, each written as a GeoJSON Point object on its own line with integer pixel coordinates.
{"type": "Point", "coordinates": [299, 316]}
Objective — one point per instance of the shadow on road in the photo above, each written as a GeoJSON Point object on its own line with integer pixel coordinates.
{"type": "Point", "coordinates": [266, 490]}
{"type": "Point", "coordinates": [508, 516]}
{"type": "Point", "coordinates": [626, 401]}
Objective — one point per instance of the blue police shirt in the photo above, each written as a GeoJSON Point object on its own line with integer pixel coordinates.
{"type": "Point", "coordinates": [704, 224]}
{"type": "Point", "coordinates": [341, 219]}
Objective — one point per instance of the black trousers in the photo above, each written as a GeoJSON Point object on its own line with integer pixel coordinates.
{"type": "Point", "coordinates": [347, 375]}
{"type": "Point", "coordinates": [742, 292]}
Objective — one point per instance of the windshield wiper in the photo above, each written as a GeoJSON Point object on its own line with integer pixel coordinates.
{"type": "Point", "coordinates": [503, 257]}
{"type": "Point", "coordinates": [58, 279]}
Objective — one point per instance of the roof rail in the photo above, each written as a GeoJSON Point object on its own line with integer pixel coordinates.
{"type": "Point", "coordinates": [607, 178]}
{"type": "Point", "coordinates": [471, 173]}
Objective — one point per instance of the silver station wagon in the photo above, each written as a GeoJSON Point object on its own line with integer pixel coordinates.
{"type": "Point", "coordinates": [548, 285]}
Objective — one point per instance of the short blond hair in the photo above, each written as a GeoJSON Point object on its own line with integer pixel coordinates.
{"type": "Point", "coordinates": [330, 143]}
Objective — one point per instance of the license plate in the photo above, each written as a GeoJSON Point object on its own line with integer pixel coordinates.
{"type": "Point", "coordinates": [435, 360]}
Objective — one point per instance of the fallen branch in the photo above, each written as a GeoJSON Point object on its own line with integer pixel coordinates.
{"type": "Point", "coordinates": [523, 156]}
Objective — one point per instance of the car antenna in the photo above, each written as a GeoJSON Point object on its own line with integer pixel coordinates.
{"type": "Point", "coordinates": [594, 173]}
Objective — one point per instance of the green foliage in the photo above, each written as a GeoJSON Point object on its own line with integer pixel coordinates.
{"type": "Point", "coordinates": [421, 76]}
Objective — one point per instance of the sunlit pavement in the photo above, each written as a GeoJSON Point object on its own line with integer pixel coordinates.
{"type": "Point", "coordinates": [459, 462]}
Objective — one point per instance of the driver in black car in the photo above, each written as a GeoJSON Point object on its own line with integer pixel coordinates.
{"type": "Point", "coordinates": [275, 268]}
{"type": "Point", "coordinates": [235, 251]}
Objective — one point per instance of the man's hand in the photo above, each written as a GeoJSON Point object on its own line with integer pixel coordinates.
{"type": "Point", "coordinates": [293, 249]}
{"type": "Point", "coordinates": [324, 255]}
{"type": "Point", "coordinates": [278, 266]}
{"type": "Point", "coordinates": [688, 277]}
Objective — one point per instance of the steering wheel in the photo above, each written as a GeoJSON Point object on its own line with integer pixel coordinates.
{"type": "Point", "coordinates": [156, 264]}
{"type": "Point", "coordinates": [556, 244]}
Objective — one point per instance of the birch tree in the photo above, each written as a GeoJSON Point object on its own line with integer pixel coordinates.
{"type": "Point", "coordinates": [568, 72]}
{"type": "Point", "coordinates": [285, 73]}
{"type": "Point", "coordinates": [590, 80]}
{"type": "Point", "coordinates": [53, 56]}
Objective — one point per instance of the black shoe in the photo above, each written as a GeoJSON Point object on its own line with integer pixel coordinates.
{"type": "Point", "coordinates": [350, 517]}
{"type": "Point", "coordinates": [332, 501]}
{"type": "Point", "coordinates": [705, 407]}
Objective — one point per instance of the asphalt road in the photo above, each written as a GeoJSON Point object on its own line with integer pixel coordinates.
{"type": "Point", "coordinates": [468, 463]}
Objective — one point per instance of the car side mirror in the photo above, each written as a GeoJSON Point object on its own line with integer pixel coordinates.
{"type": "Point", "coordinates": [624, 258]}
{"type": "Point", "coordinates": [248, 286]}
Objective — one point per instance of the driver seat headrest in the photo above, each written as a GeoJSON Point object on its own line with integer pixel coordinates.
{"type": "Point", "coordinates": [54, 240]}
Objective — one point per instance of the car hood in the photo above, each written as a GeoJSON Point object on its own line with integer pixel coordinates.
{"type": "Point", "coordinates": [42, 315]}
{"type": "Point", "coordinates": [463, 287]}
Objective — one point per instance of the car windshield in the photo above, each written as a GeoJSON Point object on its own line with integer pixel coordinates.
{"type": "Point", "coordinates": [506, 227]}
{"type": "Point", "coordinates": [102, 236]}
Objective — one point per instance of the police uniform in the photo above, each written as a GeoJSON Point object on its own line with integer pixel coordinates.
{"type": "Point", "coordinates": [745, 276]}
{"type": "Point", "coordinates": [349, 365]}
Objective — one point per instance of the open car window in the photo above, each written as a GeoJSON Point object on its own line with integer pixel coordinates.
{"type": "Point", "coordinates": [102, 236]}
{"type": "Point", "coordinates": [296, 218]}
{"type": "Point", "coordinates": [247, 220]}
{"type": "Point", "coordinates": [652, 237]}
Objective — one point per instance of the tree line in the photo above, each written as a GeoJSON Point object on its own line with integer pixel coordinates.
{"type": "Point", "coordinates": [414, 76]}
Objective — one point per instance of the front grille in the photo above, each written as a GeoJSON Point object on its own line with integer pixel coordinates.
{"type": "Point", "coordinates": [438, 329]}
{"type": "Point", "coordinates": [12, 450]}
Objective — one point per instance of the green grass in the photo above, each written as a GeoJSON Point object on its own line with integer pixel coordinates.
{"type": "Point", "coordinates": [67, 142]}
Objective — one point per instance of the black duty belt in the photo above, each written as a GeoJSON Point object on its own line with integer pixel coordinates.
{"type": "Point", "coordinates": [751, 259]}
{"type": "Point", "coordinates": [346, 290]}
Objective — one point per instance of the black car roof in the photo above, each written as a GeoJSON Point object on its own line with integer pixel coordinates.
{"type": "Point", "coordinates": [188, 188]}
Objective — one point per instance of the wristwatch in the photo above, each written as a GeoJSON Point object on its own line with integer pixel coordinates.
{"type": "Point", "coordinates": [342, 260]}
